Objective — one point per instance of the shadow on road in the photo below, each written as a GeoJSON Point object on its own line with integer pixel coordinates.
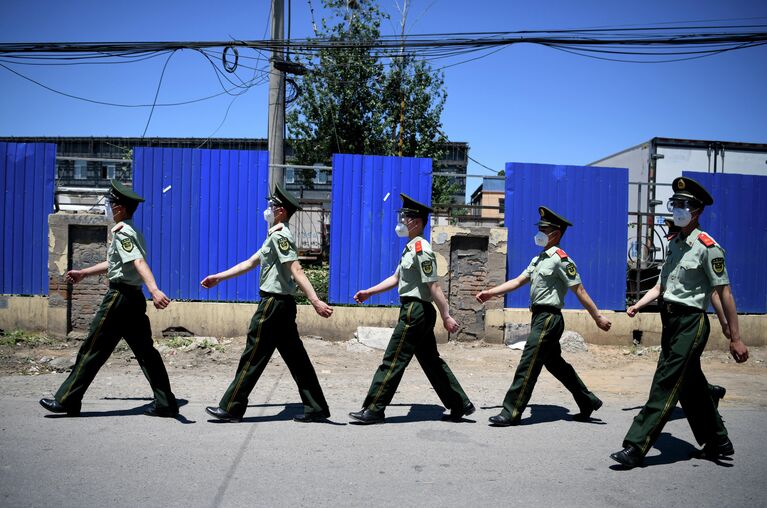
{"type": "Point", "coordinates": [288, 412]}
{"type": "Point", "coordinates": [138, 410]}
{"type": "Point", "coordinates": [672, 450]}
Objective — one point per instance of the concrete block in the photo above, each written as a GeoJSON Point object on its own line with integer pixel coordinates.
{"type": "Point", "coordinates": [374, 337]}
{"type": "Point", "coordinates": [514, 333]}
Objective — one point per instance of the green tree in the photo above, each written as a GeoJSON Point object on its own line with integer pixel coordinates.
{"type": "Point", "coordinates": [353, 102]}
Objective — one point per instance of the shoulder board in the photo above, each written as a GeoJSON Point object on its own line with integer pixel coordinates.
{"type": "Point", "coordinates": [117, 227]}
{"type": "Point", "coordinates": [418, 246]}
{"type": "Point", "coordinates": [706, 240]}
{"type": "Point", "coordinates": [562, 254]}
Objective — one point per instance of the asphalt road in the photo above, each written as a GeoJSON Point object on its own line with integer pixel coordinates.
{"type": "Point", "coordinates": [113, 455]}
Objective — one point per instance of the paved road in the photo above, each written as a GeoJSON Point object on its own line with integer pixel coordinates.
{"type": "Point", "coordinates": [115, 456]}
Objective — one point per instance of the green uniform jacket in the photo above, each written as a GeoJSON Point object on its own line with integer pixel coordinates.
{"type": "Point", "coordinates": [694, 266]}
{"type": "Point", "coordinates": [127, 246]}
{"type": "Point", "coordinates": [417, 269]}
{"type": "Point", "coordinates": [551, 273]}
{"type": "Point", "coordinates": [278, 248]}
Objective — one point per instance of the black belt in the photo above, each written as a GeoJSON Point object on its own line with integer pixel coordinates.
{"type": "Point", "coordinates": [545, 308]}
{"type": "Point", "coordinates": [676, 309]}
{"type": "Point", "coordinates": [410, 299]}
{"type": "Point", "coordinates": [278, 296]}
{"type": "Point", "coordinates": [121, 286]}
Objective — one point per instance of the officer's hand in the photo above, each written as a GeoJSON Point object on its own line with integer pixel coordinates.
{"type": "Point", "coordinates": [74, 276]}
{"type": "Point", "coordinates": [726, 330]}
{"type": "Point", "coordinates": [210, 281]}
{"type": "Point", "coordinates": [603, 323]}
{"type": "Point", "coordinates": [160, 300]}
{"type": "Point", "coordinates": [632, 311]}
{"type": "Point", "coordinates": [362, 295]}
{"type": "Point", "coordinates": [322, 308]}
{"type": "Point", "coordinates": [450, 324]}
{"type": "Point", "coordinates": [739, 351]}
{"type": "Point", "coordinates": [483, 296]}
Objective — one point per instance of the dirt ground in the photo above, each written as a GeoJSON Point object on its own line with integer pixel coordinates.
{"type": "Point", "coordinates": [32, 367]}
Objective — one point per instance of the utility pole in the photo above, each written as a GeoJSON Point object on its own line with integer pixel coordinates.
{"type": "Point", "coordinates": [401, 142]}
{"type": "Point", "coordinates": [276, 134]}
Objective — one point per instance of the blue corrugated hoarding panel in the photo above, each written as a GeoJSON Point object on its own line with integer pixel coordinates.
{"type": "Point", "coordinates": [365, 198]}
{"type": "Point", "coordinates": [27, 176]}
{"type": "Point", "coordinates": [202, 215]}
{"type": "Point", "coordinates": [738, 222]}
{"type": "Point", "coordinates": [595, 200]}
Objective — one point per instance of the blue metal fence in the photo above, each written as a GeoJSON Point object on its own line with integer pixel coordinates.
{"type": "Point", "coordinates": [595, 200]}
{"type": "Point", "coordinates": [365, 198]}
{"type": "Point", "coordinates": [27, 173]}
{"type": "Point", "coordinates": [738, 222]}
{"type": "Point", "coordinates": [202, 215]}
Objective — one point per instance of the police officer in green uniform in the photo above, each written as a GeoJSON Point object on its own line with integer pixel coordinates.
{"type": "Point", "coordinates": [274, 324]}
{"type": "Point", "coordinates": [417, 282]}
{"type": "Point", "coordinates": [717, 392]}
{"type": "Point", "coordinates": [550, 274]}
{"type": "Point", "coordinates": [694, 268]}
{"type": "Point", "coordinates": [122, 313]}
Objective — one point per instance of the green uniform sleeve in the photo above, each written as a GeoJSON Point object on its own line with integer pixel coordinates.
{"type": "Point", "coordinates": [715, 267]}
{"type": "Point", "coordinates": [127, 246]}
{"type": "Point", "coordinates": [427, 265]}
{"type": "Point", "coordinates": [568, 272]}
{"type": "Point", "coordinates": [284, 247]}
{"type": "Point", "coordinates": [528, 272]}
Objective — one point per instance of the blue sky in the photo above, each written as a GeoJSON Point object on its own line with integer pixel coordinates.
{"type": "Point", "coordinates": [522, 104]}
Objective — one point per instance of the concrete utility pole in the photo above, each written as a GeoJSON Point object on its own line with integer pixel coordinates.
{"type": "Point", "coordinates": [276, 128]}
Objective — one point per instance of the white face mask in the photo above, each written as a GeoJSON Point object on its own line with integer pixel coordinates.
{"type": "Point", "coordinates": [108, 212]}
{"type": "Point", "coordinates": [269, 216]}
{"type": "Point", "coordinates": [682, 217]}
{"type": "Point", "coordinates": [541, 239]}
{"type": "Point", "coordinates": [401, 230]}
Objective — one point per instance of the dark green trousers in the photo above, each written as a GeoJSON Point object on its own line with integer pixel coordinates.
{"type": "Point", "coordinates": [678, 377]}
{"type": "Point", "coordinates": [414, 335]}
{"type": "Point", "coordinates": [122, 314]}
{"type": "Point", "coordinates": [543, 350]}
{"type": "Point", "coordinates": [274, 327]}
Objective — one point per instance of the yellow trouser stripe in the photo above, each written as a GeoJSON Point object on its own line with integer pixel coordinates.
{"type": "Point", "coordinates": [672, 395]}
{"type": "Point", "coordinates": [515, 411]}
{"type": "Point", "coordinates": [93, 343]}
{"type": "Point", "coordinates": [252, 353]}
{"type": "Point", "coordinates": [394, 361]}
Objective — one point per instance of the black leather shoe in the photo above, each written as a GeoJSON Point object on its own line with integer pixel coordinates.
{"type": "Point", "coordinates": [219, 413]}
{"type": "Point", "coordinates": [312, 417]}
{"type": "Point", "coordinates": [153, 410]}
{"type": "Point", "coordinates": [367, 417]}
{"type": "Point", "coordinates": [628, 457]}
{"type": "Point", "coordinates": [53, 406]}
{"type": "Point", "coordinates": [717, 449]}
{"type": "Point", "coordinates": [585, 415]}
{"type": "Point", "coordinates": [457, 415]}
{"type": "Point", "coordinates": [717, 394]}
{"type": "Point", "coordinates": [501, 421]}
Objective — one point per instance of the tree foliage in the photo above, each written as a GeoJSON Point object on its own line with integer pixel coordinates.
{"type": "Point", "coordinates": [353, 102]}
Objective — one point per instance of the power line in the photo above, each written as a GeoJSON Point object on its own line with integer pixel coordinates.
{"type": "Point", "coordinates": [477, 162]}
{"type": "Point", "coordinates": [114, 104]}
{"type": "Point", "coordinates": [157, 93]}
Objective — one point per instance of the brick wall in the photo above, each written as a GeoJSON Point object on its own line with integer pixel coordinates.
{"type": "Point", "coordinates": [87, 247]}
{"type": "Point", "coordinates": [75, 240]}
{"type": "Point", "coordinates": [468, 261]}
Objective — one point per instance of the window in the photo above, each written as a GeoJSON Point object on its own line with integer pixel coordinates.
{"type": "Point", "coordinates": [290, 175]}
{"type": "Point", "coordinates": [501, 204]}
{"type": "Point", "coordinates": [320, 175]}
{"type": "Point", "coordinates": [108, 171]}
{"type": "Point", "coordinates": [81, 169]}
